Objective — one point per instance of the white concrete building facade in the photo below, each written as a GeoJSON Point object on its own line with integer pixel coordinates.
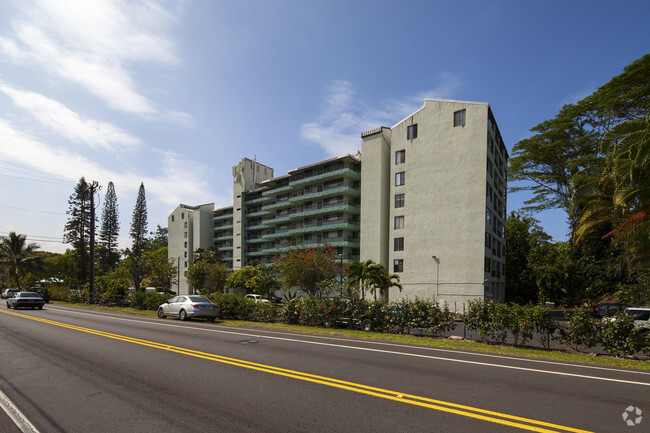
{"type": "Point", "coordinates": [433, 202]}
{"type": "Point", "coordinates": [425, 198]}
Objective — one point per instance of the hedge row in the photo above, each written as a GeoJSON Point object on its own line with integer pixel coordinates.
{"type": "Point", "coordinates": [493, 322]}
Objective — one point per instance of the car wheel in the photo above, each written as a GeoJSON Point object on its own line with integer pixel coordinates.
{"type": "Point", "coordinates": [8, 306]}
{"type": "Point", "coordinates": [40, 307]}
{"type": "Point", "coordinates": [161, 313]}
{"type": "Point", "coordinates": [366, 325]}
{"type": "Point", "coordinates": [182, 315]}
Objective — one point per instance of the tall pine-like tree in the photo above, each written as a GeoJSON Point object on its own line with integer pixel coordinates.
{"type": "Point", "coordinates": [76, 231]}
{"type": "Point", "coordinates": [109, 232]}
{"type": "Point", "coordinates": [139, 223]}
{"type": "Point", "coordinates": [138, 234]}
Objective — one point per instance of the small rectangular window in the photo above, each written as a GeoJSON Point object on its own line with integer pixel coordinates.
{"type": "Point", "coordinates": [183, 215]}
{"type": "Point", "coordinates": [398, 265]}
{"type": "Point", "coordinates": [399, 200]}
{"type": "Point", "coordinates": [459, 118]}
{"type": "Point", "coordinates": [398, 244]}
{"type": "Point", "coordinates": [400, 157]}
{"type": "Point", "coordinates": [412, 132]}
{"type": "Point", "coordinates": [400, 178]}
{"type": "Point", "coordinates": [172, 218]}
{"type": "Point", "coordinates": [399, 222]}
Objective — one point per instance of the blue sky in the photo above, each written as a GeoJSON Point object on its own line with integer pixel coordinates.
{"type": "Point", "coordinates": [174, 93]}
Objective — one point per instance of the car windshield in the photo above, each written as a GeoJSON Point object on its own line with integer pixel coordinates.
{"type": "Point", "coordinates": [28, 294]}
{"type": "Point", "coordinates": [198, 299]}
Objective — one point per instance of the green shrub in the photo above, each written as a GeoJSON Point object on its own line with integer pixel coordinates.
{"type": "Point", "coordinates": [580, 332]}
{"type": "Point", "coordinates": [620, 337]}
{"type": "Point", "coordinates": [146, 300]}
{"type": "Point", "coordinates": [233, 305]}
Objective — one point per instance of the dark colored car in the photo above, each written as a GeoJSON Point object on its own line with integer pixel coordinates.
{"type": "Point", "coordinates": [25, 300]}
{"type": "Point", "coordinates": [608, 309]}
{"type": "Point", "coordinates": [42, 291]}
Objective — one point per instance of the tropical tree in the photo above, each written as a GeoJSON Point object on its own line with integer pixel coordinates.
{"type": "Point", "coordinates": [523, 236]}
{"type": "Point", "coordinates": [547, 162]}
{"type": "Point", "coordinates": [378, 277]}
{"type": "Point", "coordinates": [138, 234]}
{"type": "Point", "coordinates": [312, 269]}
{"type": "Point", "coordinates": [109, 256]}
{"type": "Point", "coordinates": [76, 231]}
{"type": "Point", "coordinates": [138, 230]}
{"type": "Point", "coordinates": [19, 257]}
{"type": "Point", "coordinates": [161, 271]}
{"type": "Point", "coordinates": [618, 189]}
{"type": "Point", "coordinates": [356, 277]}
{"type": "Point", "coordinates": [258, 279]}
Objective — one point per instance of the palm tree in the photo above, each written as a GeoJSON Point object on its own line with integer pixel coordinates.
{"type": "Point", "coordinates": [618, 190]}
{"type": "Point", "coordinates": [379, 278]}
{"type": "Point", "coordinates": [18, 257]}
{"type": "Point", "coordinates": [356, 276]}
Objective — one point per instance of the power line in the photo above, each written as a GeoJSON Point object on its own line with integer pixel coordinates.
{"type": "Point", "coordinates": [37, 238]}
{"type": "Point", "coordinates": [32, 210]}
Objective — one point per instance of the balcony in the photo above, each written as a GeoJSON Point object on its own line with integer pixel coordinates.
{"type": "Point", "coordinates": [345, 172]}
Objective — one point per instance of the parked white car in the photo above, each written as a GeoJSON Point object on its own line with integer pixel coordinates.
{"type": "Point", "coordinates": [187, 306]}
{"type": "Point", "coordinates": [256, 298]}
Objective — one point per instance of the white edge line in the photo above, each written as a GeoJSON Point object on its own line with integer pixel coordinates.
{"type": "Point", "coordinates": [16, 415]}
{"type": "Point", "coordinates": [415, 355]}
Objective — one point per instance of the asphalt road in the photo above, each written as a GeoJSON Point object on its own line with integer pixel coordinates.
{"type": "Point", "coordinates": [74, 370]}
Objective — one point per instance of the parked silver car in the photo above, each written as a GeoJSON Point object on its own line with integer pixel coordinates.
{"type": "Point", "coordinates": [25, 300]}
{"type": "Point", "coordinates": [187, 306]}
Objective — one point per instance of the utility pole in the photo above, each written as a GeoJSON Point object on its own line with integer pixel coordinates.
{"type": "Point", "coordinates": [93, 187]}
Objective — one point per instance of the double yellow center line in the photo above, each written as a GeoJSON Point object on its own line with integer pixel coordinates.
{"type": "Point", "coordinates": [458, 409]}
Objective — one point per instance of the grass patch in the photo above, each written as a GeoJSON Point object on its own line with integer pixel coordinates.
{"type": "Point", "coordinates": [465, 345]}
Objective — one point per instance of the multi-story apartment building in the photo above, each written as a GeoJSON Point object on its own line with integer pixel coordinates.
{"type": "Point", "coordinates": [433, 202]}
{"type": "Point", "coordinates": [427, 200]}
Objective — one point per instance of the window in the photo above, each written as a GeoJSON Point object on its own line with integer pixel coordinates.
{"type": "Point", "coordinates": [488, 240]}
{"type": "Point", "coordinates": [488, 192]}
{"type": "Point", "coordinates": [183, 215]}
{"type": "Point", "coordinates": [488, 215]}
{"type": "Point", "coordinates": [399, 200]}
{"type": "Point", "coordinates": [488, 264]}
{"type": "Point", "coordinates": [185, 244]}
{"type": "Point", "coordinates": [399, 244]}
{"type": "Point", "coordinates": [459, 118]}
{"type": "Point", "coordinates": [399, 222]}
{"type": "Point", "coordinates": [185, 235]}
{"type": "Point", "coordinates": [412, 132]}
{"type": "Point", "coordinates": [185, 224]}
{"type": "Point", "coordinates": [398, 265]}
{"type": "Point", "coordinates": [399, 178]}
{"type": "Point", "coordinates": [400, 157]}
{"type": "Point", "coordinates": [172, 218]}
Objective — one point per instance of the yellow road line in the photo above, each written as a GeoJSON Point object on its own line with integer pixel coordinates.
{"type": "Point", "coordinates": [458, 409]}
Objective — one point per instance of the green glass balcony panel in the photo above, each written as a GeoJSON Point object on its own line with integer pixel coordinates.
{"type": "Point", "coordinates": [347, 173]}
{"type": "Point", "coordinates": [344, 190]}
{"type": "Point", "coordinates": [222, 238]}
{"type": "Point", "coordinates": [271, 192]}
{"type": "Point", "coordinates": [278, 205]}
{"type": "Point", "coordinates": [225, 248]}
{"type": "Point", "coordinates": [255, 241]}
{"type": "Point", "coordinates": [346, 208]}
{"type": "Point", "coordinates": [222, 218]}
{"type": "Point", "coordinates": [259, 213]}
{"type": "Point", "coordinates": [258, 200]}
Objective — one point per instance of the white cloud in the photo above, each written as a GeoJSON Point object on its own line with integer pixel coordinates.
{"type": "Point", "coordinates": [338, 129]}
{"type": "Point", "coordinates": [178, 178]}
{"type": "Point", "coordinates": [94, 44]}
{"type": "Point", "coordinates": [66, 122]}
